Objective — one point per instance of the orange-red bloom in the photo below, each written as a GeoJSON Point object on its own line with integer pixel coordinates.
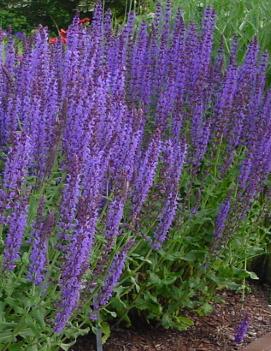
{"type": "Point", "coordinates": [63, 35]}
{"type": "Point", "coordinates": [63, 32]}
{"type": "Point", "coordinates": [84, 20]}
{"type": "Point", "coordinates": [53, 40]}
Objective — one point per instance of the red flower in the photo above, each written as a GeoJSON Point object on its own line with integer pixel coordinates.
{"type": "Point", "coordinates": [63, 32]}
{"type": "Point", "coordinates": [84, 20]}
{"type": "Point", "coordinates": [63, 40]}
{"type": "Point", "coordinates": [53, 40]}
{"type": "Point", "coordinates": [63, 36]}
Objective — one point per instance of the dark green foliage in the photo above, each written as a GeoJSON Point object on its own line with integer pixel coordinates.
{"type": "Point", "coordinates": [24, 16]}
{"type": "Point", "coordinates": [28, 14]}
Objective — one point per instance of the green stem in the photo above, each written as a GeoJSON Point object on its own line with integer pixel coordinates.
{"type": "Point", "coordinates": [1, 231]}
{"type": "Point", "coordinates": [244, 281]}
{"type": "Point", "coordinates": [99, 341]}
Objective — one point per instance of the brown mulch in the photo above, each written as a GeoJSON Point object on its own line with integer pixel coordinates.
{"type": "Point", "coordinates": [211, 333]}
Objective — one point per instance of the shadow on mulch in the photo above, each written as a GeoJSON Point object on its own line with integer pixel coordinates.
{"type": "Point", "coordinates": [211, 333]}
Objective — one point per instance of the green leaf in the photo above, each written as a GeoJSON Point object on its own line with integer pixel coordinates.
{"type": "Point", "coordinates": [17, 347]}
{"type": "Point", "coordinates": [154, 279]}
{"type": "Point", "coordinates": [182, 323]}
{"type": "Point", "coordinates": [167, 321]}
{"type": "Point", "coordinates": [141, 258]}
{"type": "Point", "coordinates": [252, 275]}
{"type": "Point", "coordinates": [111, 313]}
{"type": "Point", "coordinates": [67, 347]}
{"type": "Point", "coordinates": [27, 332]}
{"type": "Point", "coordinates": [106, 331]}
{"type": "Point", "coordinates": [205, 309]}
{"type": "Point", "coordinates": [7, 336]}
{"type": "Point", "coordinates": [38, 314]}
{"type": "Point", "coordinates": [134, 282]}
{"type": "Point", "coordinates": [118, 304]}
{"type": "Point", "coordinates": [15, 304]}
{"type": "Point", "coordinates": [33, 348]}
{"type": "Point", "coordinates": [4, 324]}
{"type": "Point", "coordinates": [2, 307]}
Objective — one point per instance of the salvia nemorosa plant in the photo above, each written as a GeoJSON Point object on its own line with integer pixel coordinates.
{"type": "Point", "coordinates": [95, 135]}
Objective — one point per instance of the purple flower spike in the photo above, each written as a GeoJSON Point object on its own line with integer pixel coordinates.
{"type": "Point", "coordinates": [40, 235]}
{"type": "Point", "coordinates": [14, 200]}
{"type": "Point", "coordinates": [174, 160]}
{"type": "Point", "coordinates": [17, 223]}
{"type": "Point", "coordinates": [146, 174]}
{"type": "Point", "coordinates": [16, 167]}
{"type": "Point", "coordinates": [114, 217]}
{"type": "Point", "coordinates": [112, 277]}
{"type": "Point", "coordinates": [241, 330]}
{"type": "Point", "coordinates": [221, 219]}
{"type": "Point", "coordinates": [75, 266]}
{"type": "Point", "coordinates": [208, 28]}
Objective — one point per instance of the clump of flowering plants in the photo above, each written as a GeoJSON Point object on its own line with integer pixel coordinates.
{"type": "Point", "coordinates": [108, 140]}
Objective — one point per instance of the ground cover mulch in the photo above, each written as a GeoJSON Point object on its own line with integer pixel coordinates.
{"type": "Point", "coordinates": [211, 333]}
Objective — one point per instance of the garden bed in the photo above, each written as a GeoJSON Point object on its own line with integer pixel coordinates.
{"type": "Point", "coordinates": [211, 333]}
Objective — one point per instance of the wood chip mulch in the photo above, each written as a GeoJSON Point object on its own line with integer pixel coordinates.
{"type": "Point", "coordinates": [211, 333]}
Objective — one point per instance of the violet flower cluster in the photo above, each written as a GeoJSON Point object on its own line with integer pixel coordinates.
{"type": "Point", "coordinates": [117, 112]}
